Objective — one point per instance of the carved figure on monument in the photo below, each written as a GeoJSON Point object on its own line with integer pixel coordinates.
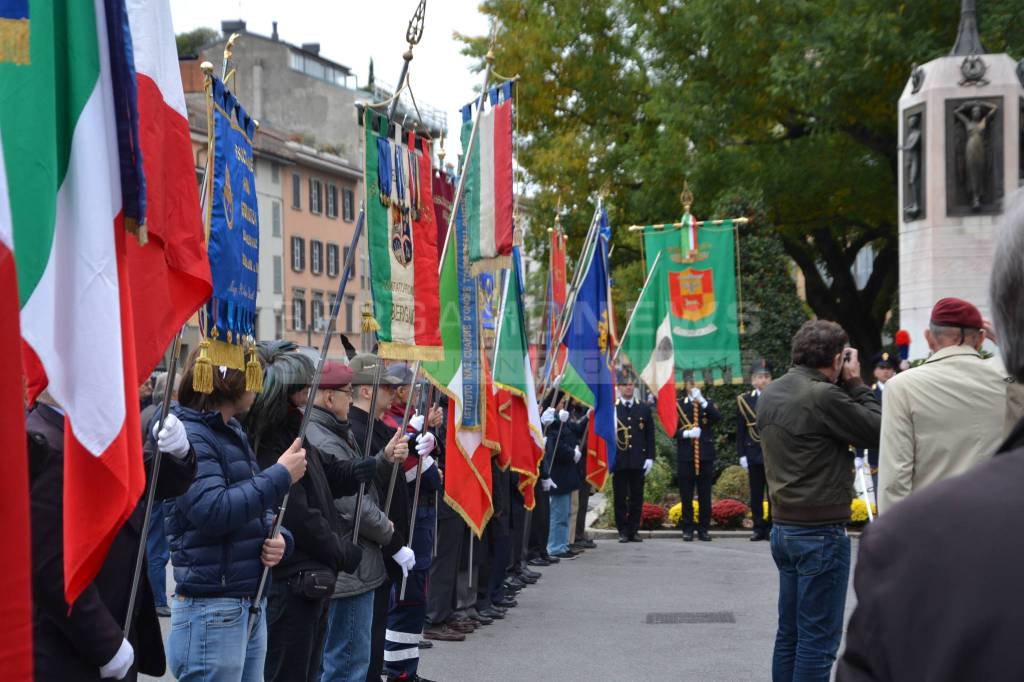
{"type": "Point", "coordinates": [974, 117]}
{"type": "Point", "coordinates": [912, 163]}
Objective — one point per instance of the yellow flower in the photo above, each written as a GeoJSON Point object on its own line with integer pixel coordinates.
{"type": "Point", "coordinates": [859, 510]}
{"type": "Point", "coordinates": [675, 513]}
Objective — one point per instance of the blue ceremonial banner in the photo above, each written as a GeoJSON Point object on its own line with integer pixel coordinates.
{"type": "Point", "coordinates": [233, 224]}
{"type": "Point", "coordinates": [472, 372]}
{"type": "Point", "coordinates": [588, 374]}
{"type": "Point", "coordinates": [487, 312]}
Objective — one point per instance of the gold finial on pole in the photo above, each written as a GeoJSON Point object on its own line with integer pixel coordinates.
{"type": "Point", "coordinates": [686, 197]}
{"type": "Point", "coordinates": [230, 46]}
{"type": "Point", "coordinates": [206, 68]}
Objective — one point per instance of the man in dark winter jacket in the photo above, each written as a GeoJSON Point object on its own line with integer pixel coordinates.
{"type": "Point", "coordinates": [562, 453]}
{"type": "Point", "coordinates": [86, 640]}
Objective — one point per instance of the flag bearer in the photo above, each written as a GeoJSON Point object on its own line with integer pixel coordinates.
{"type": "Point", "coordinates": [633, 460]}
{"type": "Point", "coordinates": [748, 446]}
{"type": "Point", "coordinates": [696, 457]}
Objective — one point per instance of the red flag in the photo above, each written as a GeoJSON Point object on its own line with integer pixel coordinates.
{"type": "Point", "coordinates": [597, 458]}
{"type": "Point", "coordinates": [516, 439]}
{"type": "Point", "coordinates": [556, 296]}
{"type": "Point", "coordinates": [467, 479]}
{"type": "Point", "coordinates": [170, 275]}
{"type": "Point", "coordinates": [16, 584]}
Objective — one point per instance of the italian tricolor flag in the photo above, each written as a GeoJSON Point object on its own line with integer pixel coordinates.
{"type": "Point", "coordinates": [60, 160]}
{"type": "Point", "coordinates": [518, 416]}
{"type": "Point", "coordinates": [489, 186]}
{"type": "Point", "coordinates": [649, 346]}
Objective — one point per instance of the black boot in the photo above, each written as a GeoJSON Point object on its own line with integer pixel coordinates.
{"type": "Point", "coordinates": [704, 535]}
{"type": "Point", "coordinates": [687, 536]}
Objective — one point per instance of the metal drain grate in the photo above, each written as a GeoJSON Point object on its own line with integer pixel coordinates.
{"type": "Point", "coordinates": [690, 617]}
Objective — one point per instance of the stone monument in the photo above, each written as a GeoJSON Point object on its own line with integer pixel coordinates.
{"type": "Point", "coordinates": [961, 156]}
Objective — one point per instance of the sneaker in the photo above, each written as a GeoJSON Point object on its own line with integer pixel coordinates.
{"type": "Point", "coordinates": [163, 611]}
{"type": "Point", "coordinates": [426, 644]}
{"type": "Point", "coordinates": [564, 555]}
{"type": "Point", "coordinates": [586, 543]}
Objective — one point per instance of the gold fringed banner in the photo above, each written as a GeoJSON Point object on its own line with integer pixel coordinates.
{"type": "Point", "coordinates": [490, 265]}
{"type": "Point", "coordinates": [228, 355]}
{"type": "Point", "coordinates": [14, 41]}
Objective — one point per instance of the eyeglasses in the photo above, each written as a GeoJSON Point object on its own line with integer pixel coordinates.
{"type": "Point", "coordinates": [346, 391]}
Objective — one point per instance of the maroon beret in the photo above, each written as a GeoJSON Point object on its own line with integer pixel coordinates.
{"type": "Point", "coordinates": [956, 312]}
{"type": "Point", "coordinates": [335, 375]}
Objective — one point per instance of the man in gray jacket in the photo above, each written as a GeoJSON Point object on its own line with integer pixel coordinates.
{"type": "Point", "coordinates": [347, 646]}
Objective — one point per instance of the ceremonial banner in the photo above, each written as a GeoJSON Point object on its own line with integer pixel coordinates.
{"type": "Point", "coordinates": [444, 195]}
{"type": "Point", "coordinates": [648, 342]}
{"type": "Point", "coordinates": [701, 288]}
{"type": "Point", "coordinates": [61, 215]}
{"type": "Point", "coordinates": [488, 192]}
{"type": "Point", "coordinates": [588, 371]}
{"type": "Point", "coordinates": [521, 433]}
{"type": "Point", "coordinates": [170, 273]}
{"type": "Point", "coordinates": [234, 233]}
{"type": "Point", "coordinates": [462, 376]}
{"type": "Point", "coordinates": [556, 293]}
{"type": "Point", "coordinates": [402, 235]}
{"type": "Point", "coordinates": [682, 237]}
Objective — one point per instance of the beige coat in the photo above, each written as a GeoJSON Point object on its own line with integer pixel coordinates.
{"type": "Point", "coordinates": [939, 419]}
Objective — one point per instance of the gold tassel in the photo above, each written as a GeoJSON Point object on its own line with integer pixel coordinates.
{"type": "Point", "coordinates": [369, 323]}
{"type": "Point", "coordinates": [202, 375]}
{"type": "Point", "coordinates": [253, 372]}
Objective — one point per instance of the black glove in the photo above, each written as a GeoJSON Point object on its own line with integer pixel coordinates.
{"type": "Point", "coordinates": [353, 554]}
{"type": "Point", "coordinates": [364, 469]}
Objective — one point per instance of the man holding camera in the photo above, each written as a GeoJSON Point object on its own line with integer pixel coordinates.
{"type": "Point", "coordinates": [808, 419]}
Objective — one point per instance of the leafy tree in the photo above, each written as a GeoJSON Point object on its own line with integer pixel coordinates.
{"type": "Point", "coordinates": [794, 101]}
{"type": "Point", "coordinates": [191, 42]}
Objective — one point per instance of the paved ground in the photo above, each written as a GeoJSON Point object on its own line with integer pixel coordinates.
{"type": "Point", "coordinates": [587, 619]}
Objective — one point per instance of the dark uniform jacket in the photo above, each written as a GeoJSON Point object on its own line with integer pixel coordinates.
{"type": "Point", "coordinates": [748, 439]}
{"type": "Point", "coordinates": [807, 426]}
{"type": "Point", "coordinates": [637, 420]}
{"type": "Point", "coordinates": [938, 581]}
{"type": "Point", "coordinates": [311, 516]}
{"type": "Point", "coordinates": [559, 462]}
{"type": "Point", "coordinates": [72, 644]}
{"type": "Point", "coordinates": [399, 511]}
{"type": "Point", "coordinates": [706, 417]}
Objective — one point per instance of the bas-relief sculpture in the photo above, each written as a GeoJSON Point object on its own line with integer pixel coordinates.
{"type": "Point", "coordinates": [913, 164]}
{"type": "Point", "coordinates": [974, 159]}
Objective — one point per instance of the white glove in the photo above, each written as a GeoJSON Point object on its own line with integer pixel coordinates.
{"type": "Point", "coordinates": [117, 667]}
{"type": "Point", "coordinates": [858, 462]}
{"type": "Point", "coordinates": [693, 433]}
{"type": "Point", "coordinates": [697, 397]}
{"type": "Point", "coordinates": [576, 454]}
{"type": "Point", "coordinates": [743, 462]}
{"type": "Point", "coordinates": [648, 465]}
{"type": "Point", "coordinates": [563, 416]}
{"type": "Point", "coordinates": [558, 381]}
{"type": "Point", "coordinates": [172, 439]}
{"type": "Point", "coordinates": [425, 443]}
{"type": "Point", "coordinates": [405, 558]}
{"type": "Point", "coordinates": [547, 484]}
{"type": "Point", "coordinates": [416, 423]}
{"type": "Point", "coordinates": [410, 473]}
{"type": "Point", "coordinates": [547, 417]}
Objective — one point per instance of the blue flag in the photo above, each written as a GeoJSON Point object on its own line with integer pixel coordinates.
{"type": "Point", "coordinates": [589, 376]}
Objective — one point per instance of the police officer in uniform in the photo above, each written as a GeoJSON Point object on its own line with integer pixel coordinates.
{"type": "Point", "coordinates": [696, 457]}
{"type": "Point", "coordinates": [884, 369]}
{"type": "Point", "coordinates": [634, 458]}
{"type": "Point", "coordinates": [748, 446]}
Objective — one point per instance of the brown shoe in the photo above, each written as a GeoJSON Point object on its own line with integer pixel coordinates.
{"type": "Point", "coordinates": [467, 626]}
{"type": "Point", "coordinates": [443, 633]}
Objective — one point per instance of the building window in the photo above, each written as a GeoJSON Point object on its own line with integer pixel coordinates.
{"type": "Point", "coordinates": [348, 207]}
{"type": "Point", "coordinates": [296, 191]}
{"type": "Point", "coordinates": [299, 310]}
{"type": "Point", "coordinates": [278, 275]}
{"type": "Point", "coordinates": [275, 172]}
{"type": "Point", "coordinates": [332, 260]}
{"type": "Point", "coordinates": [334, 297]}
{"type": "Point", "coordinates": [278, 325]}
{"type": "Point", "coordinates": [316, 257]}
{"type": "Point", "coordinates": [332, 200]}
{"type": "Point", "coordinates": [350, 304]}
{"type": "Point", "coordinates": [362, 271]}
{"type": "Point", "coordinates": [316, 196]}
{"type": "Point", "coordinates": [298, 254]}
{"type": "Point", "coordinates": [316, 313]}
{"type": "Point", "coordinates": [275, 210]}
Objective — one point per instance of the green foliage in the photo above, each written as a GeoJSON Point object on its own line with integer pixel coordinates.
{"type": "Point", "coordinates": [795, 102]}
{"type": "Point", "coordinates": [190, 43]}
{"type": "Point", "coordinates": [658, 483]}
{"type": "Point", "coordinates": [732, 483]}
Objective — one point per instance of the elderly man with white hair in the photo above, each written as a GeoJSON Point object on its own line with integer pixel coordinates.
{"type": "Point", "coordinates": [938, 576]}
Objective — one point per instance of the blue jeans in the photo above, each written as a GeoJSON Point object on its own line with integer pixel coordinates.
{"type": "Point", "coordinates": [814, 568]}
{"type": "Point", "coordinates": [347, 647]}
{"type": "Point", "coordinates": [208, 640]}
{"type": "Point", "coordinates": [157, 554]}
{"type": "Point", "coordinates": [558, 530]}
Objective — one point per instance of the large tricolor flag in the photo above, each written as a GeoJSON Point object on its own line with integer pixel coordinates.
{"type": "Point", "coordinates": [170, 273]}
{"type": "Point", "coordinates": [648, 342]}
{"type": "Point", "coordinates": [488, 193]}
{"type": "Point", "coordinates": [462, 375]}
{"type": "Point", "coordinates": [521, 433]}
{"type": "Point", "coordinates": [65, 229]}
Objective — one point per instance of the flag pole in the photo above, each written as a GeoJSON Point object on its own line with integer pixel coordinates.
{"type": "Point", "coordinates": [307, 412]}
{"type": "Point", "coordinates": [172, 369]}
{"type": "Point", "coordinates": [639, 298]}
{"type": "Point", "coordinates": [405, 425]}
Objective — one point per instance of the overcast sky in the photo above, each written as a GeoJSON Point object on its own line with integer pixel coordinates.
{"type": "Point", "coordinates": [351, 32]}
